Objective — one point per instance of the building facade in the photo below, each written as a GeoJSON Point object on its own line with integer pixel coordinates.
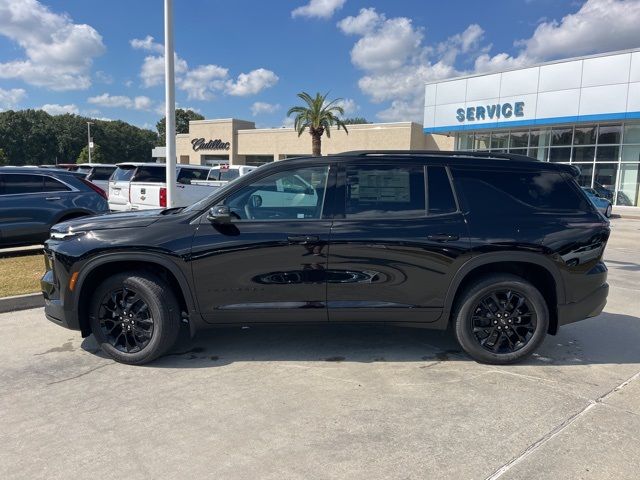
{"type": "Point", "coordinates": [238, 142]}
{"type": "Point", "coordinates": [583, 111]}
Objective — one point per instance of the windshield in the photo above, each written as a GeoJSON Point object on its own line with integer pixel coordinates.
{"type": "Point", "coordinates": [224, 174]}
{"type": "Point", "coordinates": [204, 203]}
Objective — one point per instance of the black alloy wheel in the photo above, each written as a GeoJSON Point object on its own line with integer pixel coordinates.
{"type": "Point", "coordinates": [125, 320]}
{"type": "Point", "coordinates": [503, 321]}
{"type": "Point", "coordinates": [500, 318]}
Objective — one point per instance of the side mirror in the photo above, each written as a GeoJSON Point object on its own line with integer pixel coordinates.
{"type": "Point", "coordinates": [219, 214]}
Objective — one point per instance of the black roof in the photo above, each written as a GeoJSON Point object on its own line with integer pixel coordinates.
{"type": "Point", "coordinates": [458, 158]}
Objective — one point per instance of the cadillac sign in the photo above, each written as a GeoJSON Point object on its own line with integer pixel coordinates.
{"type": "Point", "coordinates": [202, 144]}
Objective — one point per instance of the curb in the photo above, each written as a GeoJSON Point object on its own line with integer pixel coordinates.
{"type": "Point", "coordinates": [21, 302]}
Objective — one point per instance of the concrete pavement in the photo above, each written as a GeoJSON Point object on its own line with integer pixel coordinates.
{"type": "Point", "coordinates": [329, 403]}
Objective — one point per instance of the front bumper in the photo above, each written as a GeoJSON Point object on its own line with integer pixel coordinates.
{"type": "Point", "coordinates": [588, 307]}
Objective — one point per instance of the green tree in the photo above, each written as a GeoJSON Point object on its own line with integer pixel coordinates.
{"type": "Point", "coordinates": [183, 117]}
{"type": "Point", "coordinates": [4, 159]}
{"type": "Point", "coordinates": [355, 121]}
{"type": "Point", "coordinates": [96, 155]}
{"type": "Point", "coordinates": [318, 116]}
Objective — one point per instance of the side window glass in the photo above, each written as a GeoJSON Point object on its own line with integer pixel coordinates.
{"type": "Point", "coordinates": [102, 173]}
{"type": "Point", "coordinates": [187, 174]}
{"type": "Point", "coordinates": [441, 199]}
{"type": "Point", "coordinates": [16, 184]}
{"type": "Point", "coordinates": [293, 194]}
{"type": "Point", "coordinates": [379, 191]}
{"type": "Point", "coordinates": [53, 185]}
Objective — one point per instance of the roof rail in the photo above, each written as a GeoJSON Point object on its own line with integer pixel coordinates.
{"type": "Point", "coordinates": [438, 153]}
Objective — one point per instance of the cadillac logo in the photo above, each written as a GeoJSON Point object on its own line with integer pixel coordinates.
{"type": "Point", "coordinates": [202, 144]}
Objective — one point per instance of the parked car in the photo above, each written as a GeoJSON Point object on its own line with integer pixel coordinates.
{"type": "Point", "coordinates": [143, 186]}
{"type": "Point", "coordinates": [32, 200]}
{"type": "Point", "coordinates": [97, 173]}
{"type": "Point", "coordinates": [503, 248]}
{"type": "Point", "coordinates": [602, 204]}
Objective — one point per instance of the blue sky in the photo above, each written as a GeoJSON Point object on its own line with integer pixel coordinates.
{"type": "Point", "coordinates": [248, 58]}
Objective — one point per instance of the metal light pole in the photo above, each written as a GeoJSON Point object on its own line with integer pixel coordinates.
{"type": "Point", "coordinates": [89, 139]}
{"type": "Point", "coordinates": [170, 106]}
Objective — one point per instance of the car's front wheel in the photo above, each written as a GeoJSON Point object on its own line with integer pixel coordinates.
{"type": "Point", "coordinates": [501, 319]}
{"type": "Point", "coordinates": [607, 212]}
{"type": "Point", "coordinates": [135, 317]}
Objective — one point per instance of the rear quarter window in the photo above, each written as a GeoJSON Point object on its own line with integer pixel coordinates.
{"type": "Point", "coordinates": [102, 173]}
{"type": "Point", "coordinates": [502, 191]}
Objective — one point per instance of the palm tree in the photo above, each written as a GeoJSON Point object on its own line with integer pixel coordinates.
{"type": "Point", "coordinates": [318, 116]}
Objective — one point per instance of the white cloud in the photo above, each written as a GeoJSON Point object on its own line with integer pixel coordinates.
{"type": "Point", "coordinates": [318, 9]}
{"type": "Point", "coordinates": [59, 53]}
{"type": "Point", "coordinates": [147, 43]}
{"type": "Point", "coordinates": [55, 109]}
{"type": "Point", "coordinates": [104, 77]}
{"type": "Point", "coordinates": [262, 107]}
{"type": "Point", "coordinates": [251, 83]}
{"type": "Point", "coordinates": [349, 106]}
{"type": "Point", "coordinates": [152, 71]}
{"type": "Point", "coordinates": [200, 82]}
{"type": "Point", "coordinates": [362, 23]}
{"type": "Point", "coordinates": [122, 101]}
{"type": "Point", "coordinates": [598, 26]}
{"type": "Point", "coordinates": [12, 97]}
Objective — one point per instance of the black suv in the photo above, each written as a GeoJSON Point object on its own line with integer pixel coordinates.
{"type": "Point", "coordinates": [503, 248]}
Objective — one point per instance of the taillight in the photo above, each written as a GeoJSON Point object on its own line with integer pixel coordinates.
{"type": "Point", "coordinates": [163, 196]}
{"type": "Point", "coordinates": [95, 188]}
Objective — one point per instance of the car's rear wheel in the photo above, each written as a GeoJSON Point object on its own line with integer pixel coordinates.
{"type": "Point", "coordinates": [501, 319]}
{"type": "Point", "coordinates": [607, 212]}
{"type": "Point", "coordinates": [135, 317]}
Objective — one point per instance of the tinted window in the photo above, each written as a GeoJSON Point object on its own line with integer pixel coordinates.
{"type": "Point", "coordinates": [224, 174]}
{"type": "Point", "coordinates": [15, 184]}
{"type": "Point", "coordinates": [150, 175]}
{"type": "Point", "coordinates": [512, 191]}
{"type": "Point", "coordinates": [379, 191]}
{"type": "Point", "coordinates": [52, 185]}
{"type": "Point", "coordinates": [122, 174]}
{"type": "Point", "coordinates": [84, 170]}
{"type": "Point", "coordinates": [441, 199]}
{"type": "Point", "coordinates": [288, 195]}
{"type": "Point", "coordinates": [102, 173]}
{"type": "Point", "coordinates": [185, 175]}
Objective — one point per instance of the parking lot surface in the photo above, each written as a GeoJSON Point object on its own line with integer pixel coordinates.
{"type": "Point", "coordinates": [329, 402]}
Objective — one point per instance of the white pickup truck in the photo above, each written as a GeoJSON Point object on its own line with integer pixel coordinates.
{"type": "Point", "coordinates": [222, 174]}
{"type": "Point", "coordinates": [143, 186]}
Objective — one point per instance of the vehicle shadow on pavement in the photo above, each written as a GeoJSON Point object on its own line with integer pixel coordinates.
{"type": "Point", "coordinates": [607, 339]}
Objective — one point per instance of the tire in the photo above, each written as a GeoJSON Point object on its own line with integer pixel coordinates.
{"type": "Point", "coordinates": [607, 212]}
{"type": "Point", "coordinates": [135, 317]}
{"type": "Point", "coordinates": [518, 332]}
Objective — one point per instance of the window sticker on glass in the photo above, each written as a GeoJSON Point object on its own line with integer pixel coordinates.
{"type": "Point", "coordinates": [383, 186]}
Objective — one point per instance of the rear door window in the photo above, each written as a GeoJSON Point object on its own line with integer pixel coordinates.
{"type": "Point", "coordinates": [102, 173]}
{"type": "Point", "coordinates": [384, 191]}
{"type": "Point", "coordinates": [150, 174]}
{"type": "Point", "coordinates": [50, 184]}
{"type": "Point", "coordinates": [441, 198]}
{"type": "Point", "coordinates": [19, 184]}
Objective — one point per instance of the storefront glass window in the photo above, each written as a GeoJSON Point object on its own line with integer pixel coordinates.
{"type": "Point", "coordinates": [607, 154]}
{"type": "Point", "coordinates": [559, 154]}
{"type": "Point", "coordinates": [538, 153]}
{"type": "Point", "coordinates": [631, 153]}
{"type": "Point", "coordinates": [584, 154]}
{"type": "Point", "coordinates": [499, 140]}
{"type": "Point", "coordinates": [519, 139]}
{"type": "Point", "coordinates": [605, 179]}
{"type": "Point", "coordinates": [561, 136]}
{"type": "Point", "coordinates": [585, 135]}
{"type": "Point", "coordinates": [628, 186]}
{"type": "Point", "coordinates": [631, 134]}
{"type": "Point", "coordinates": [586, 172]}
{"type": "Point", "coordinates": [465, 141]}
{"type": "Point", "coordinates": [609, 134]}
{"type": "Point", "coordinates": [482, 141]}
{"type": "Point", "coordinates": [540, 138]}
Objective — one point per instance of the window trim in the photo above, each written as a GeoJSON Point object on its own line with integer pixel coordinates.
{"type": "Point", "coordinates": [42, 192]}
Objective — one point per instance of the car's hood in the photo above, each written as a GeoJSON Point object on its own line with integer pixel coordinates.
{"type": "Point", "coordinates": [109, 220]}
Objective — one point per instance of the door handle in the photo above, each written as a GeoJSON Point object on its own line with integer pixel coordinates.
{"type": "Point", "coordinates": [50, 199]}
{"type": "Point", "coordinates": [303, 239]}
{"type": "Point", "coordinates": [443, 237]}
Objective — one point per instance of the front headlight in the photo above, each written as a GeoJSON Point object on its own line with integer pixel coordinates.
{"type": "Point", "coordinates": [66, 235]}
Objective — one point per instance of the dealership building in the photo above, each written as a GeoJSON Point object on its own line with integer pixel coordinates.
{"type": "Point", "coordinates": [239, 142]}
{"type": "Point", "coordinates": [584, 111]}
